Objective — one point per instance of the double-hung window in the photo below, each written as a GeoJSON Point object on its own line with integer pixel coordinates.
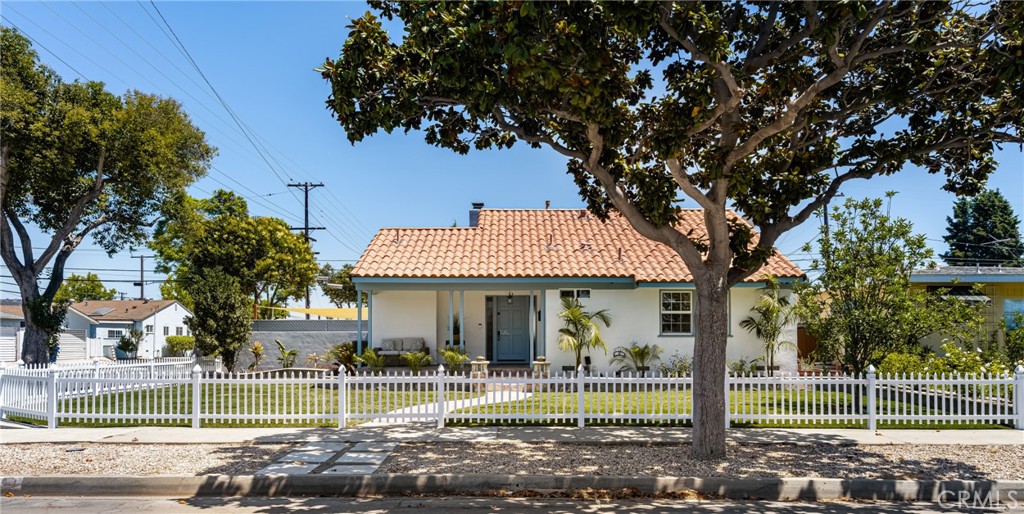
{"type": "Point", "coordinates": [676, 313]}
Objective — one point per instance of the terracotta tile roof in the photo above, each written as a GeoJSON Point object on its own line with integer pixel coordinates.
{"type": "Point", "coordinates": [120, 310]}
{"type": "Point", "coordinates": [519, 243]}
{"type": "Point", "coordinates": [11, 311]}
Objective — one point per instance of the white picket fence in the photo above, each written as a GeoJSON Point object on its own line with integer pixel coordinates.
{"type": "Point", "coordinates": [146, 393]}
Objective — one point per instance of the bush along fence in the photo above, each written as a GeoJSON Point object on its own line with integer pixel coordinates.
{"type": "Point", "coordinates": [176, 395]}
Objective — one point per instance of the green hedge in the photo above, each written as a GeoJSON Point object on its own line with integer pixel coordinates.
{"type": "Point", "coordinates": [178, 345]}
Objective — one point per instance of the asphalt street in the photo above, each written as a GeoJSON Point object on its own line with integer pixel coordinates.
{"type": "Point", "coordinates": [26, 505]}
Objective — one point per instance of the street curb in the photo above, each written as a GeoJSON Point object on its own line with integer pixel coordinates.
{"type": "Point", "coordinates": [484, 484]}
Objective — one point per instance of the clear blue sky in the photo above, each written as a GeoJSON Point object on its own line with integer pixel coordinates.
{"type": "Point", "coordinates": [260, 56]}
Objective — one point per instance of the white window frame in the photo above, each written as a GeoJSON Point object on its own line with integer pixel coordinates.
{"type": "Point", "coordinates": [115, 333]}
{"type": "Point", "coordinates": [178, 331]}
{"type": "Point", "coordinates": [662, 311]}
{"type": "Point", "coordinates": [149, 329]}
{"type": "Point", "coordinates": [167, 330]}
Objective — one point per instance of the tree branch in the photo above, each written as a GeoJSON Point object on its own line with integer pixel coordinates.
{"type": "Point", "coordinates": [74, 216]}
{"type": "Point", "coordinates": [665, 234]}
{"type": "Point", "coordinates": [757, 58]}
{"type": "Point", "coordinates": [503, 123]}
{"type": "Point", "coordinates": [26, 241]}
{"type": "Point", "coordinates": [723, 69]}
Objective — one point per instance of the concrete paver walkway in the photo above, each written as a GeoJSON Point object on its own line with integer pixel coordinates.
{"type": "Point", "coordinates": [424, 432]}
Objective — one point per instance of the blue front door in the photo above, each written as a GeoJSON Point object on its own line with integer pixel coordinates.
{"type": "Point", "coordinates": [512, 333]}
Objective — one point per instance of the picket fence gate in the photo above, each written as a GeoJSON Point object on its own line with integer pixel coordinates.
{"type": "Point", "coordinates": [180, 393]}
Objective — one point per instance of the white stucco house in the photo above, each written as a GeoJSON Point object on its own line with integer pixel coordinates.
{"type": "Point", "coordinates": [502, 278]}
{"type": "Point", "coordinates": [156, 319]}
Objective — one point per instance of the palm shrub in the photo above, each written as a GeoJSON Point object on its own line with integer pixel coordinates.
{"type": "Point", "coordinates": [580, 331]}
{"type": "Point", "coordinates": [676, 366]}
{"type": "Point", "coordinates": [454, 358]}
{"type": "Point", "coordinates": [314, 359]}
{"type": "Point", "coordinates": [772, 313]}
{"type": "Point", "coordinates": [287, 356]}
{"type": "Point", "coordinates": [345, 355]}
{"type": "Point", "coordinates": [371, 359]}
{"type": "Point", "coordinates": [257, 354]}
{"type": "Point", "coordinates": [637, 357]}
{"type": "Point", "coordinates": [416, 360]}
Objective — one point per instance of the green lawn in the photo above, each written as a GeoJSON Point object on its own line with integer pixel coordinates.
{"type": "Point", "coordinates": [291, 404]}
{"type": "Point", "coordinates": [629, 408]}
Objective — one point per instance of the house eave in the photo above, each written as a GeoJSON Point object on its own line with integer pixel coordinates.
{"type": "Point", "coordinates": [966, 279]}
{"type": "Point", "coordinates": [489, 283]}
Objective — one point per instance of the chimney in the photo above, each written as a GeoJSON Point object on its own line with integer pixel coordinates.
{"type": "Point", "coordinates": [474, 213]}
{"type": "Point", "coordinates": [547, 204]}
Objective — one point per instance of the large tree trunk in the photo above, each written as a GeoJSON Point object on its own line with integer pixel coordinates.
{"type": "Point", "coordinates": [709, 368]}
{"type": "Point", "coordinates": [34, 349]}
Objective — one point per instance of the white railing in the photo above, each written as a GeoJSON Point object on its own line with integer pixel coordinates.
{"type": "Point", "coordinates": [152, 394]}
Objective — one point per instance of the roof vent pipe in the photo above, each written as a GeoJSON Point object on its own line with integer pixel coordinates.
{"type": "Point", "coordinates": [474, 214]}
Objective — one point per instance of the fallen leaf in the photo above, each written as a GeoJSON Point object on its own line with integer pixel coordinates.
{"type": "Point", "coordinates": [8, 494]}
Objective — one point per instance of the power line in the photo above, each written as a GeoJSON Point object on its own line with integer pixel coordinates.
{"type": "Point", "coordinates": [231, 113]}
{"type": "Point", "coordinates": [40, 45]}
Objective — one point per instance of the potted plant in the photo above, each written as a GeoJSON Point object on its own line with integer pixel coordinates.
{"type": "Point", "coordinates": [416, 361]}
{"type": "Point", "coordinates": [257, 355]}
{"type": "Point", "coordinates": [581, 331]}
{"type": "Point", "coordinates": [128, 344]}
{"type": "Point", "coordinates": [637, 357]}
{"type": "Point", "coordinates": [772, 313]}
{"type": "Point", "coordinates": [454, 358]}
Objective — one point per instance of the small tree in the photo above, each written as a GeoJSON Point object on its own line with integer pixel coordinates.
{"type": "Point", "coordinates": [128, 344]}
{"type": "Point", "coordinates": [863, 305]}
{"type": "Point", "coordinates": [984, 230]}
{"type": "Point", "coordinates": [220, 319]}
{"type": "Point", "coordinates": [77, 288]}
{"type": "Point", "coordinates": [772, 313]}
{"type": "Point", "coordinates": [580, 332]}
{"type": "Point", "coordinates": [178, 345]}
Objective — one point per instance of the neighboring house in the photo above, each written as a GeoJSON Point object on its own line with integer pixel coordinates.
{"type": "Point", "coordinates": [1001, 292]}
{"type": "Point", "coordinates": [503, 276]}
{"type": "Point", "coordinates": [74, 340]}
{"type": "Point", "coordinates": [156, 319]}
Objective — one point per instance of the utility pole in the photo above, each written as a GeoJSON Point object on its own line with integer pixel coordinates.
{"type": "Point", "coordinates": [142, 274]}
{"type": "Point", "coordinates": [306, 187]}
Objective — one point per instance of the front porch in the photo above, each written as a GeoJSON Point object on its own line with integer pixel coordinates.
{"type": "Point", "coordinates": [504, 320]}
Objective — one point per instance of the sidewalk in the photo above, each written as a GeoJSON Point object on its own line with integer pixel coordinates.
{"type": "Point", "coordinates": [412, 432]}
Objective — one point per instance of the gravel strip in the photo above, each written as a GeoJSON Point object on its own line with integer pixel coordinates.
{"type": "Point", "coordinates": [136, 459]}
{"type": "Point", "coordinates": [904, 462]}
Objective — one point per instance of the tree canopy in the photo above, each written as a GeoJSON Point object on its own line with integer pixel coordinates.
{"type": "Point", "coordinates": [862, 306]}
{"type": "Point", "coordinates": [338, 286]}
{"type": "Point", "coordinates": [764, 107]}
{"type": "Point", "coordinates": [77, 160]}
{"type": "Point", "coordinates": [984, 231]}
{"type": "Point", "coordinates": [77, 288]}
{"type": "Point", "coordinates": [271, 263]}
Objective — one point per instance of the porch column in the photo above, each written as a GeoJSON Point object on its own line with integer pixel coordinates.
{"type": "Point", "coordinates": [462, 320]}
{"type": "Point", "coordinates": [369, 314]}
{"type": "Point", "coordinates": [542, 340]}
{"type": "Point", "coordinates": [451, 317]}
{"type": "Point", "coordinates": [359, 319]}
{"type": "Point", "coordinates": [533, 328]}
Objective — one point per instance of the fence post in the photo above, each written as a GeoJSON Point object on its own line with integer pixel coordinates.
{"type": "Point", "coordinates": [197, 371]}
{"type": "Point", "coordinates": [51, 397]}
{"type": "Point", "coordinates": [96, 377]}
{"type": "Point", "coordinates": [342, 398]}
{"type": "Point", "coordinates": [439, 388]}
{"type": "Point", "coordinates": [728, 415]}
{"type": "Point", "coordinates": [218, 364]}
{"type": "Point", "coordinates": [872, 421]}
{"type": "Point", "coordinates": [1018, 394]}
{"type": "Point", "coordinates": [581, 377]}
{"type": "Point", "coordinates": [152, 369]}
